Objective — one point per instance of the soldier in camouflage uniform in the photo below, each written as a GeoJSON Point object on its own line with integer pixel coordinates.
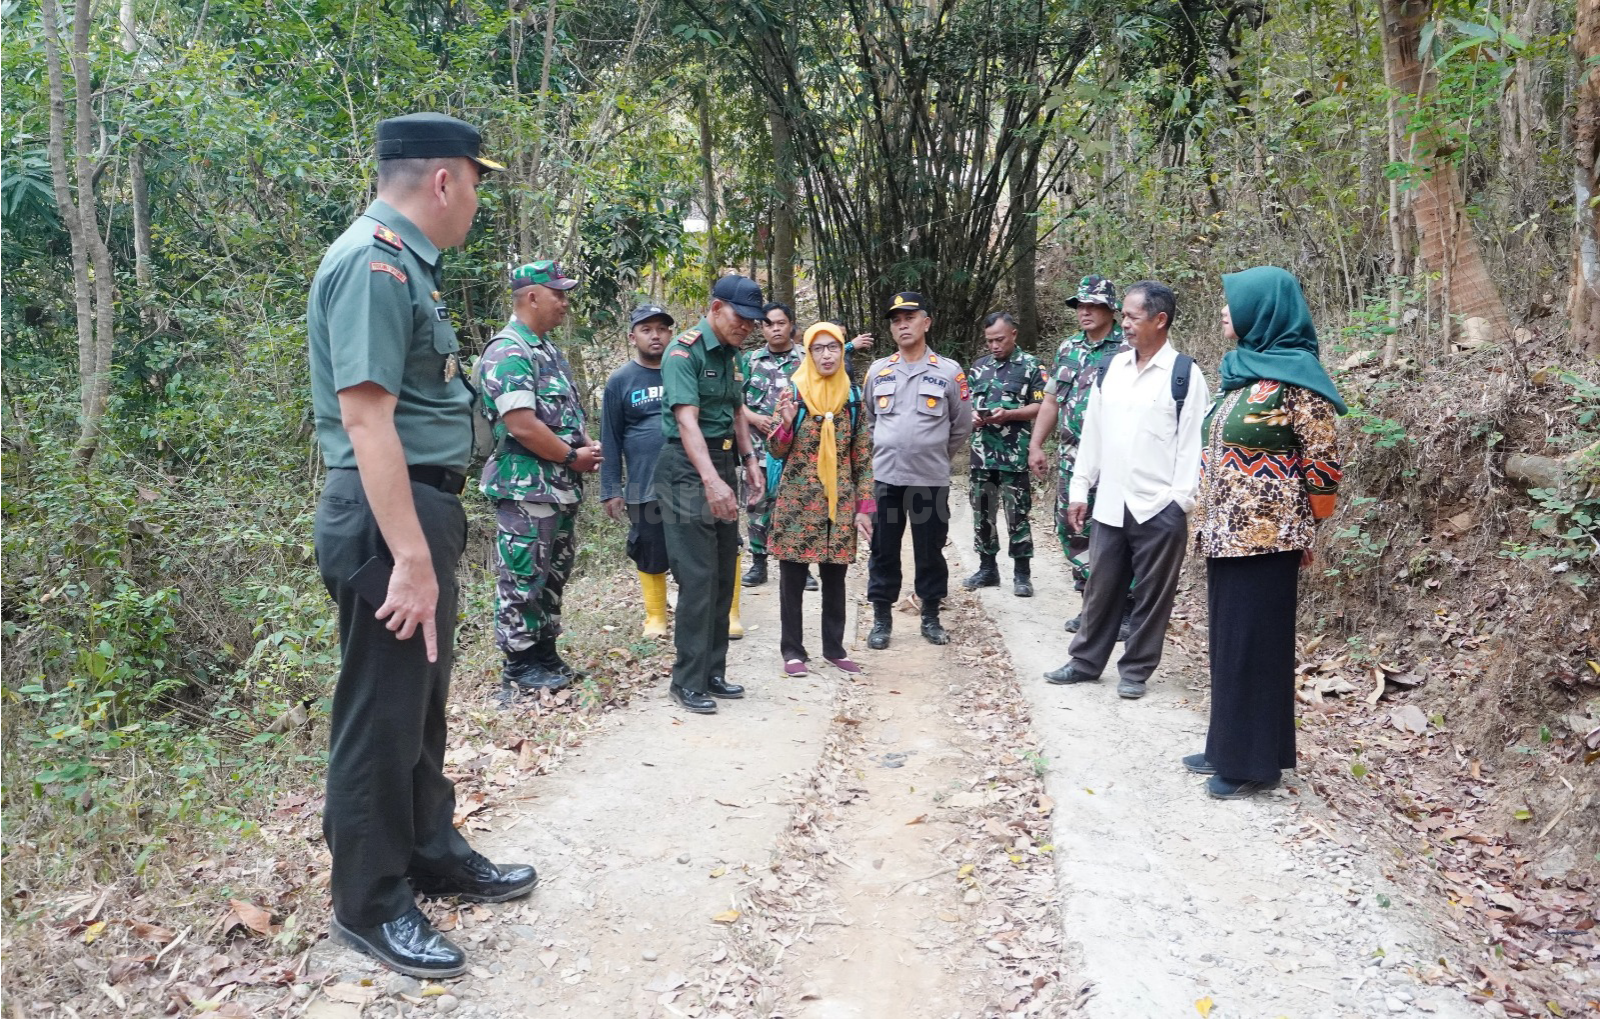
{"type": "Point", "coordinates": [1007, 385]}
{"type": "Point", "coordinates": [766, 373]}
{"type": "Point", "coordinates": [1067, 397]}
{"type": "Point", "coordinates": [542, 448]}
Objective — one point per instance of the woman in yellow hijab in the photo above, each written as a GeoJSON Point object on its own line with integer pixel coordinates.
{"type": "Point", "coordinates": [824, 494]}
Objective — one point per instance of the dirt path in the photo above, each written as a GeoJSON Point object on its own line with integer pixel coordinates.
{"type": "Point", "coordinates": [949, 837]}
{"type": "Point", "coordinates": [1262, 906]}
{"type": "Point", "coordinates": [808, 851]}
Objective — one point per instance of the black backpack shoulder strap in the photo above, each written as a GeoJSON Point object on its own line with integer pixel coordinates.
{"type": "Point", "coordinates": [1100, 372]}
{"type": "Point", "coordinates": [1180, 383]}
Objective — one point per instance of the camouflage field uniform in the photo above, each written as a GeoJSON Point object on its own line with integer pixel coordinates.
{"type": "Point", "coordinates": [999, 474]}
{"type": "Point", "coordinates": [1077, 363]}
{"type": "Point", "coordinates": [536, 500]}
{"type": "Point", "coordinates": [766, 374]}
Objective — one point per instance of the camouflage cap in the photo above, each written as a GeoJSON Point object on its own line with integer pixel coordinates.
{"type": "Point", "coordinates": [545, 273]}
{"type": "Point", "coordinates": [1095, 290]}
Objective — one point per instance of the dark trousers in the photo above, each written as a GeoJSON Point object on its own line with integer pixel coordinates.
{"type": "Point", "coordinates": [647, 540]}
{"type": "Point", "coordinates": [704, 554]}
{"type": "Point", "coordinates": [1252, 608]}
{"type": "Point", "coordinates": [991, 493]}
{"type": "Point", "coordinates": [927, 510]}
{"type": "Point", "coordinates": [389, 806]}
{"type": "Point", "coordinates": [791, 595]}
{"type": "Point", "coordinates": [1152, 551]}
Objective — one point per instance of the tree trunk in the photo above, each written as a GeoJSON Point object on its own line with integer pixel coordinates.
{"type": "Point", "coordinates": [1449, 246]}
{"type": "Point", "coordinates": [94, 292]}
{"type": "Point", "coordinates": [1583, 301]}
{"type": "Point", "coordinates": [785, 214]}
{"type": "Point", "coordinates": [709, 182]}
{"type": "Point", "coordinates": [1025, 203]}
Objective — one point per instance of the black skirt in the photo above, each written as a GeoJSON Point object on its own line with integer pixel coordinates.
{"type": "Point", "coordinates": [1252, 609]}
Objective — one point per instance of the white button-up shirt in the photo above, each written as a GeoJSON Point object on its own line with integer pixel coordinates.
{"type": "Point", "coordinates": [1134, 447]}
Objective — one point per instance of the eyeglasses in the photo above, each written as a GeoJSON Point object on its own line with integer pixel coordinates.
{"type": "Point", "coordinates": [826, 348]}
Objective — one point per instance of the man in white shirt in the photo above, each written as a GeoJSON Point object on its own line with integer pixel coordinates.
{"type": "Point", "coordinates": [1141, 446]}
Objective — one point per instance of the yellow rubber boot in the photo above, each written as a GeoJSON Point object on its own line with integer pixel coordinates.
{"type": "Point", "coordinates": [654, 586]}
{"type": "Point", "coordinates": [735, 628]}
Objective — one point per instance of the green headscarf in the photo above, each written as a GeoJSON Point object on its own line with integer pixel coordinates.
{"type": "Point", "coordinates": [1276, 338]}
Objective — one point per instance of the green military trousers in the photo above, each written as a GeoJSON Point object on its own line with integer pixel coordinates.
{"type": "Point", "coordinates": [703, 553]}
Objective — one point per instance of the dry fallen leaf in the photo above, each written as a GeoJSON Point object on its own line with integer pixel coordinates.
{"type": "Point", "coordinates": [549, 959]}
{"type": "Point", "coordinates": [716, 873]}
{"type": "Point", "coordinates": [93, 931]}
{"type": "Point", "coordinates": [351, 994]}
{"type": "Point", "coordinates": [249, 915]}
{"type": "Point", "coordinates": [1409, 718]}
{"type": "Point", "coordinates": [1204, 1006]}
{"type": "Point", "coordinates": [728, 916]}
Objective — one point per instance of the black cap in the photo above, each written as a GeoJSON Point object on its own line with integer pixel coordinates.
{"type": "Point", "coordinates": [907, 301]}
{"type": "Point", "coordinates": [742, 294]}
{"type": "Point", "coordinates": [431, 136]}
{"type": "Point", "coordinates": [648, 311]}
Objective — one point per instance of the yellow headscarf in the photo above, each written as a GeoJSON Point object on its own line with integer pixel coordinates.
{"type": "Point", "coordinates": [824, 395]}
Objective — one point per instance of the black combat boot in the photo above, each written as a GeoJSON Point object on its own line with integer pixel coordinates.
{"type": "Point", "coordinates": [550, 658]}
{"type": "Point", "coordinates": [524, 671]}
{"type": "Point", "coordinates": [932, 631]}
{"type": "Point", "coordinates": [756, 575]}
{"type": "Point", "coordinates": [1125, 628]}
{"type": "Point", "coordinates": [882, 625]}
{"type": "Point", "coordinates": [1022, 578]}
{"type": "Point", "coordinates": [988, 574]}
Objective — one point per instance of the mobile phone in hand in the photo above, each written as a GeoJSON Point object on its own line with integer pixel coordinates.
{"type": "Point", "coordinates": [371, 581]}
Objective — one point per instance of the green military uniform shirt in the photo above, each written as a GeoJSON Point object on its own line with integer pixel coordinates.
{"type": "Point", "coordinates": [376, 315]}
{"type": "Point", "coordinates": [701, 371]}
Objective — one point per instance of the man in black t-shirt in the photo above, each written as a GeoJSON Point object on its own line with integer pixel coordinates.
{"type": "Point", "coordinates": [630, 420]}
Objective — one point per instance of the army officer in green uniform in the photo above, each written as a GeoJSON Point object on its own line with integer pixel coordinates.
{"type": "Point", "coordinates": [696, 479]}
{"type": "Point", "coordinates": [393, 420]}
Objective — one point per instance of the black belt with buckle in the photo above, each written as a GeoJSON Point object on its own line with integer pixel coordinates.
{"type": "Point", "coordinates": [442, 478]}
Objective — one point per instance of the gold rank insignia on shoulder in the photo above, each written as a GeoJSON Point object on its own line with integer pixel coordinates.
{"type": "Point", "coordinates": [452, 367]}
{"type": "Point", "coordinates": [389, 237]}
{"type": "Point", "coordinates": [690, 338]}
{"type": "Point", "coordinates": [885, 371]}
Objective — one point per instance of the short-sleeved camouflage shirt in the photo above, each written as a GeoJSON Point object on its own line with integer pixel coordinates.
{"type": "Point", "coordinates": [1018, 381]}
{"type": "Point", "coordinates": [520, 369]}
{"type": "Point", "coordinates": [1077, 362]}
{"type": "Point", "coordinates": [766, 374]}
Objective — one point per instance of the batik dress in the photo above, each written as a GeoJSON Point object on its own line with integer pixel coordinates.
{"type": "Point", "coordinates": [801, 531]}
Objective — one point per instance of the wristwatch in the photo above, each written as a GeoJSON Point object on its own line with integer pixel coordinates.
{"type": "Point", "coordinates": [749, 456]}
{"type": "Point", "coordinates": [572, 454]}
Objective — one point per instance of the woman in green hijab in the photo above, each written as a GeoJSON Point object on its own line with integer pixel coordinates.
{"type": "Point", "coordinates": [1269, 471]}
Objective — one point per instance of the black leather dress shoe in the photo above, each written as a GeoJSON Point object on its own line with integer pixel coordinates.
{"type": "Point", "coordinates": [478, 880]}
{"type": "Point", "coordinates": [716, 686]}
{"type": "Point", "coordinates": [699, 703]}
{"type": "Point", "coordinates": [407, 944]}
{"type": "Point", "coordinates": [1067, 674]}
